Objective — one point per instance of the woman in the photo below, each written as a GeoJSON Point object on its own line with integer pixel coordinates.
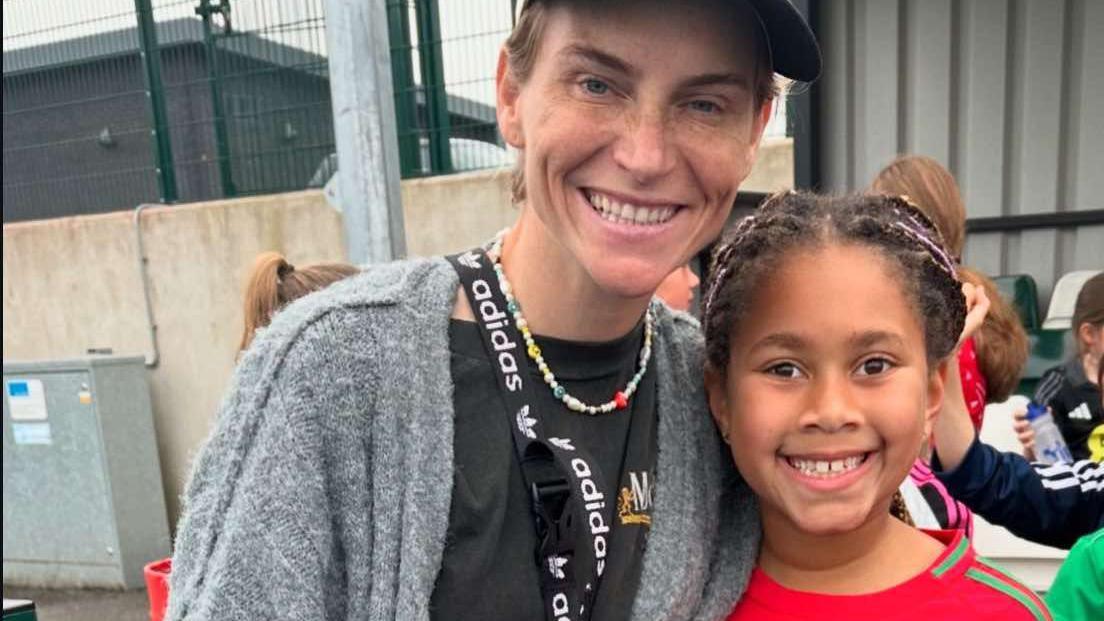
{"type": "Point", "coordinates": [364, 463]}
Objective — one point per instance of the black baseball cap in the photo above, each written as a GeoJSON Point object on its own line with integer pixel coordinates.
{"type": "Point", "coordinates": [794, 52]}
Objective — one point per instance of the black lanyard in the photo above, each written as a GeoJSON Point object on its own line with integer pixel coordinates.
{"type": "Point", "coordinates": [573, 510]}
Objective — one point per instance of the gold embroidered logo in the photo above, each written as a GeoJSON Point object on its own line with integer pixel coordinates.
{"type": "Point", "coordinates": [634, 503]}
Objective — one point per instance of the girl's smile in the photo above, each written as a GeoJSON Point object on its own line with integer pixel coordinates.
{"type": "Point", "coordinates": [829, 322]}
{"type": "Point", "coordinates": [828, 390]}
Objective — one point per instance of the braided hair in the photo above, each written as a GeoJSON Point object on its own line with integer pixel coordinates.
{"type": "Point", "coordinates": [752, 249]}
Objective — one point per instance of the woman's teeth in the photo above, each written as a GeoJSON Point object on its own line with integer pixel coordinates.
{"type": "Point", "coordinates": [627, 213]}
{"type": "Point", "coordinates": [826, 468]}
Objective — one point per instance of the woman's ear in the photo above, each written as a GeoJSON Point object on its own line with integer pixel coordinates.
{"type": "Point", "coordinates": [936, 390]}
{"type": "Point", "coordinates": [507, 95]}
{"type": "Point", "coordinates": [717, 392]}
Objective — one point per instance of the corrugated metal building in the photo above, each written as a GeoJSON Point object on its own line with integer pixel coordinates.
{"type": "Point", "coordinates": [1008, 94]}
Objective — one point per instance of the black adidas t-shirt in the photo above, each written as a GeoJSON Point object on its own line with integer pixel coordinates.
{"type": "Point", "coordinates": [1075, 404]}
{"type": "Point", "coordinates": [489, 569]}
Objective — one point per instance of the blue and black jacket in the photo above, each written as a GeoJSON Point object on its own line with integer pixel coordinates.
{"type": "Point", "coordinates": [1051, 504]}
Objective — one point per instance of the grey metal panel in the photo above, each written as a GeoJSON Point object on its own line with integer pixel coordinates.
{"type": "Point", "coordinates": [876, 84]}
{"type": "Point", "coordinates": [836, 127]}
{"type": "Point", "coordinates": [88, 508]}
{"type": "Point", "coordinates": [131, 460]}
{"type": "Point", "coordinates": [56, 506]}
{"type": "Point", "coordinates": [1005, 93]}
{"type": "Point", "coordinates": [1034, 253]}
{"type": "Point", "coordinates": [982, 110]}
{"type": "Point", "coordinates": [1035, 188]}
{"type": "Point", "coordinates": [1088, 250]}
{"type": "Point", "coordinates": [983, 252]}
{"type": "Point", "coordinates": [927, 76]}
{"type": "Point", "coordinates": [1087, 125]}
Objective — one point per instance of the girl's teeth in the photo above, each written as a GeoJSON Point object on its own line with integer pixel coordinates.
{"type": "Point", "coordinates": [826, 468]}
{"type": "Point", "coordinates": [625, 213]}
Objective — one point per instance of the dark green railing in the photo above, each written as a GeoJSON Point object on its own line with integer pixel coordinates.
{"type": "Point", "coordinates": [443, 55]}
{"type": "Point", "coordinates": [188, 100]}
{"type": "Point", "coordinates": [171, 101]}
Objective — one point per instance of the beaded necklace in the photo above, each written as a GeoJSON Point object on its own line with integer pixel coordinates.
{"type": "Point", "coordinates": [620, 399]}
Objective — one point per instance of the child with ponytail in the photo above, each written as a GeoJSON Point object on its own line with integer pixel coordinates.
{"type": "Point", "coordinates": [830, 325]}
{"type": "Point", "coordinates": [990, 362]}
{"type": "Point", "coordinates": [274, 283]}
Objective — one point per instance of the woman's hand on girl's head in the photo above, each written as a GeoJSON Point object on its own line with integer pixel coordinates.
{"type": "Point", "coordinates": [977, 307]}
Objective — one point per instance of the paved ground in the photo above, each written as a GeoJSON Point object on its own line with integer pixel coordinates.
{"type": "Point", "coordinates": [84, 605]}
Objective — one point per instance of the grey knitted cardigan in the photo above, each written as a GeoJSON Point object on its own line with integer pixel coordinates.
{"type": "Point", "coordinates": [323, 491]}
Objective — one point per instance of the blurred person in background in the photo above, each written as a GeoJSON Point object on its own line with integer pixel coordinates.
{"type": "Point", "coordinates": [989, 362]}
{"type": "Point", "coordinates": [1077, 592]}
{"type": "Point", "coordinates": [677, 290]}
{"type": "Point", "coordinates": [274, 283]}
{"type": "Point", "coordinates": [1078, 589]}
{"type": "Point", "coordinates": [1072, 390]}
{"type": "Point", "coordinates": [1050, 504]}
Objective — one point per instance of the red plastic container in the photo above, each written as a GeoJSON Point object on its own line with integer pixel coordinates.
{"type": "Point", "coordinates": [157, 587]}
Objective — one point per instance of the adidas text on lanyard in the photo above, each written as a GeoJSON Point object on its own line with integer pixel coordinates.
{"type": "Point", "coordinates": [573, 512]}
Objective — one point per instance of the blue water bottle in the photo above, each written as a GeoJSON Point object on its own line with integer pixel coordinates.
{"type": "Point", "coordinates": [1049, 446]}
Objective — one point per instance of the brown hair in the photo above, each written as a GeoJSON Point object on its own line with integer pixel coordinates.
{"type": "Point", "coordinates": [523, 44]}
{"type": "Point", "coordinates": [791, 221]}
{"type": "Point", "coordinates": [1089, 307]}
{"type": "Point", "coordinates": [1001, 341]}
{"type": "Point", "coordinates": [274, 283]}
{"type": "Point", "coordinates": [933, 189]}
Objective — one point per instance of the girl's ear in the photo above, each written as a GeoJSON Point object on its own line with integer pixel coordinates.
{"type": "Point", "coordinates": [718, 399]}
{"type": "Point", "coordinates": [507, 92]}
{"type": "Point", "coordinates": [1085, 335]}
{"type": "Point", "coordinates": [936, 390]}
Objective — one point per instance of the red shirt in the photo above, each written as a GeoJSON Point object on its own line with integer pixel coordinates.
{"type": "Point", "coordinates": [957, 586]}
{"type": "Point", "coordinates": [974, 386]}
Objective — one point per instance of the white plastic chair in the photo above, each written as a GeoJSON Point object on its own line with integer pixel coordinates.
{"type": "Point", "coordinates": [1060, 312]}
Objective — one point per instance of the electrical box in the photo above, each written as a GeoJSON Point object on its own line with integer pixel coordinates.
{"type": "Point", "coordinates": [83, 500]}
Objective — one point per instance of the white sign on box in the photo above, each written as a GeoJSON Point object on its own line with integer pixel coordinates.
{"type": "Point", "coordinates": [31, 433]}
{"type": "Point", "coordinates": [27, 399]}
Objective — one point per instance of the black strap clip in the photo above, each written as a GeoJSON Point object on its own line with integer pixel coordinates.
{"type": "Point", "coordinates": [555, 520]}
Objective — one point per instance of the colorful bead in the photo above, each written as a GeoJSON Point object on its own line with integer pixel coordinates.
{"type": "Point", "coordinates": [621, 398]}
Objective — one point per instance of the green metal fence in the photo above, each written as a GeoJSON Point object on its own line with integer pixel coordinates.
{"type": "Point", "coordinates": [443, 55]}
{"type": "Point", "coordinates": [112, 103]}
{"type": "Point", "coordinates": [115, 103]}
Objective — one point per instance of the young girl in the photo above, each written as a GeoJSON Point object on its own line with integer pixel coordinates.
{"type": "Point", "coordinates": [274, 283]}
{"type": "Point", "coordinates": [829, 322]}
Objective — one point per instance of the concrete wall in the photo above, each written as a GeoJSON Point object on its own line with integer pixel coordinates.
{"type": "Point", "coordinates": [71, 284]}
